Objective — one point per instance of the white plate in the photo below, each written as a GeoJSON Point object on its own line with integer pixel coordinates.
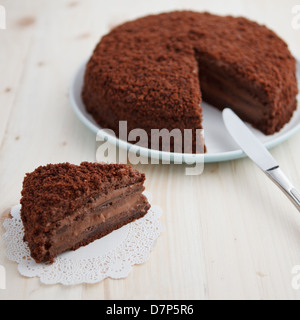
{"type": "Point", "coordinates": [220, 146]}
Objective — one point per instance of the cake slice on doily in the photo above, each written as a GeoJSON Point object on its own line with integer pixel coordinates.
{"type": "Point", "coordinates": [66, 206]}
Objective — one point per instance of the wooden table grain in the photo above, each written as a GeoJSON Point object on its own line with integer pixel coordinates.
{"type": "Point", "coordinates": [229, 233]}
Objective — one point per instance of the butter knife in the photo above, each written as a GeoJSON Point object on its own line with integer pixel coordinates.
{"type": "Point", "coordinates": [257, 152]}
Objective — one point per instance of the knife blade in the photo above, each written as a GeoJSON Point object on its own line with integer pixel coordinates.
{"type": "Point", "coordinates": [258, 153]}
{"type": "Point", "coordinates": [249, 143]}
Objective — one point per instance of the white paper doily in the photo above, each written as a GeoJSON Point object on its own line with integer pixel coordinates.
{"type": "Point", "coordinates": [112, 256]}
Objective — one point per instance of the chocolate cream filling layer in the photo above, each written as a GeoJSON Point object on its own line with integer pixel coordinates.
{"type": "Point", "coordinates": [98, 214]}
{"type": "Point", "coordinates": [223, 90]}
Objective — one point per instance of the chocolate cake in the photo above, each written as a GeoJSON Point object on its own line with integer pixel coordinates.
{"type": "Point", "coordinates": [65, 206]}
{"type": "Point", "coordinates": [154, 72]}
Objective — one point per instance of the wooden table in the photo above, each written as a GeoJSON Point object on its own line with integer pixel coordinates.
{"type": "Point", "coordinates": [229, 233]}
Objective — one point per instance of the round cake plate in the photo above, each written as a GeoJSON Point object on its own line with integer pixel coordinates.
{"type": "Point", "coordinates": [220, 146]}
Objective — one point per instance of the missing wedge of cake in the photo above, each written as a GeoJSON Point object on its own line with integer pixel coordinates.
{"type": "Point", "coordinates": [66, 206]}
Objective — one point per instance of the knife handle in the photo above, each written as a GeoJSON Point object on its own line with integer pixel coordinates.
{"type": "Point", "coordinates": [296, 195]}
{"type": "Point", "coordinates": [285, 185]}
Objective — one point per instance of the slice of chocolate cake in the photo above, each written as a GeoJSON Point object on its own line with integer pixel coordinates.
{"type": "Point", "coordinates": [65, 206]}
